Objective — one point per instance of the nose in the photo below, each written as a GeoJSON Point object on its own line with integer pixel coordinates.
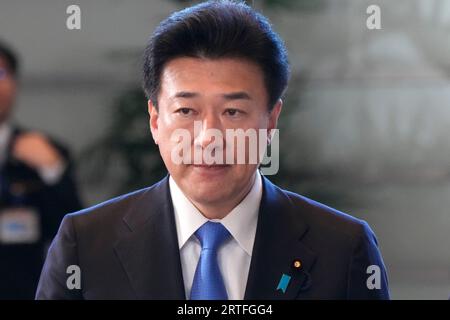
{"type": "Point", "coordinates": [207, 131]}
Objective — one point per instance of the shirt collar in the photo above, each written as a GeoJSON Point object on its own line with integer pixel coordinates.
{"type": "Point", "coordinates": [241, 222]}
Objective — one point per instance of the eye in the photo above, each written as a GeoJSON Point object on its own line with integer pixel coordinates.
{"type": "Point", "coordinates": [185, 111]}
{"type": "Point", "coordinates": [232, 112]}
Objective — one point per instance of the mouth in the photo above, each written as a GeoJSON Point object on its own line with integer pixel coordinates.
{"type": "Point", "coordinates": [211, 169]}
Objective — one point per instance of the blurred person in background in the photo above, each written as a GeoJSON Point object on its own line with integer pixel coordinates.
{"type": "Point", "coordinates": [36, 190]}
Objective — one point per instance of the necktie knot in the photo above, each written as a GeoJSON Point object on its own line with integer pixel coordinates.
{"type": "Point", "coordinates": [211, 235]}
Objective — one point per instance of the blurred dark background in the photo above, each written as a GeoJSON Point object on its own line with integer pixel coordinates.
{"type": "Point", "coordinates": [364, 128]}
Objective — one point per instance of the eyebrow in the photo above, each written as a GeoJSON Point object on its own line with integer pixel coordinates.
{"type": "Point", "coordinates": [185, 94]}
{"type": "Point", "coordinates": [240, 95]}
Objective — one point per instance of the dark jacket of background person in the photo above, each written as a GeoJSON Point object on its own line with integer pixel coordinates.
{"type": "Point", "coordinates": [21, 186]}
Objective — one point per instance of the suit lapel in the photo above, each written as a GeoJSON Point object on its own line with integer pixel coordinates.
{"type": "Point", "coordinates": [277, 245]}
{"type": "Point", "coordinates": [149, 249]}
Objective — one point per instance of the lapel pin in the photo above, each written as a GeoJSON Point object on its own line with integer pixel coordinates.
{"type": "Point", "coordinates": [284, 282]}
{"type": "Point", "coordinates": [297, 264]}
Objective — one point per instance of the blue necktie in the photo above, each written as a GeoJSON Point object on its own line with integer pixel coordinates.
{"type": "Point", "coordinates": [208, 282]}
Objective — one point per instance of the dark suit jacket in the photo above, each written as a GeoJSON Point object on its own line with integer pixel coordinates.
{"type": "Point", "coordinates": [127, 248]}
{"type": "Point", "coordinates": [21, 264]}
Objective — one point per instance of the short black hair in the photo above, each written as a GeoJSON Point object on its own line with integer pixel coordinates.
{"type": "Point", "coordinates": [217, 29]}
{"type": "Point", "coordinates": [10, 57]}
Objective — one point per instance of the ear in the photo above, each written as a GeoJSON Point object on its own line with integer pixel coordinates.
{"type": "Point", "coordinates": [274, 114]}
{"type": "Point", "coordinates": [153, 113]}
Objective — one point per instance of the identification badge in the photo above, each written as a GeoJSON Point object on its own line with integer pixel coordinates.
{"type": "Point", "coordinates": [19, 225]}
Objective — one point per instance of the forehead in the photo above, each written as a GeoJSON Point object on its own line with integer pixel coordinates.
{"type": "Point", "coordinates": [212, 76]}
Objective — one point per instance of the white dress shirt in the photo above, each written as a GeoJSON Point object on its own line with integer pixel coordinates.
{"type": "Point", "coordinates": [234, 256]}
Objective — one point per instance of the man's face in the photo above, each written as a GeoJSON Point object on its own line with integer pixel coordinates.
{"type": "Point", "coordinates": [7, 90]}
{"type": "Point", "coordinates": [221, 94]}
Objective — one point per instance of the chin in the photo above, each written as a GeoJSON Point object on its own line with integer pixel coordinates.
{"type": "Point", "coordinates": [208, 195]}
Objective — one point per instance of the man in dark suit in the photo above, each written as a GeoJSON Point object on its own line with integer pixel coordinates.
{"type": "Point", "coordinates": [213, 229]}
{"type": "Point", "coordinates": [36, 190]}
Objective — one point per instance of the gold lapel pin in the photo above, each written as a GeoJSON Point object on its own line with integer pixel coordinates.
{"type": "Point", "coordinates": [297, 264]}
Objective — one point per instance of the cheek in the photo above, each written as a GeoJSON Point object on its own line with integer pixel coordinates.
{"type": "Point", "coordinates": [170, 140]}
{"type": "Point", "coordinates": [170, 132]}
